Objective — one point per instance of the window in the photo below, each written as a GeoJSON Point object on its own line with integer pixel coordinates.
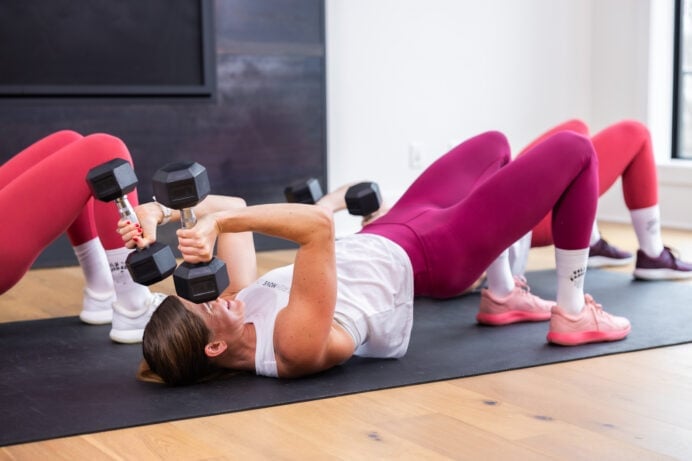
{"type": "Point", "coordinates": [682, 85]}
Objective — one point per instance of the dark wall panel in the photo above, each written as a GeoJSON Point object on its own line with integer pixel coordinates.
{"type": "Point", "coordinates": [265, 126]}
{"type": "Point", "coordinates": [153, 47]}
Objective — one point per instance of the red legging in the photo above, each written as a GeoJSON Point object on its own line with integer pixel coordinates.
{"type": "Point", "coordinates": [43, 193]}
{"type": "Point", "coordinates": [623, 150]}
{"type": "Point", "coordinates": [473, 203]}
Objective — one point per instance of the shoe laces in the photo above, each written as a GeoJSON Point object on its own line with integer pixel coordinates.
{"type": "Point", "coordinates": [520, 281]}
{"type": "Point", "coordinates": [597, 308]}
{"type": "Point", "coordinates": [673, 252]}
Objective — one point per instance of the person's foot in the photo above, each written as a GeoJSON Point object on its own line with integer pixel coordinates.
{"type": "Point", "coordinates": [128, 325]}
{"type": "Point", "coordinates": [603, 254]}
{"type": "Point", "coordinates": [518, 306]}
{"type": "Point", "coordinates": [97, 308]}
{"type": "Point", "coordinates": [666, 266]}
{"type": "Point", "coordinates": [591, 325]}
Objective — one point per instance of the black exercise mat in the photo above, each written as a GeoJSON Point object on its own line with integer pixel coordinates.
{"type": "Point", "coordinates": [59, 377]}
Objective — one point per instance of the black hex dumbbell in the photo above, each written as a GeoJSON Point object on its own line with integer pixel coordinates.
{"type": "Point", "coordinates": [181, 186]}
{"type": "Point", "coordinates": [307, 191]}
{"type": "Point", "coordinates": [111, 181]}
{"type": "Point", "coordinates": [363, 199]}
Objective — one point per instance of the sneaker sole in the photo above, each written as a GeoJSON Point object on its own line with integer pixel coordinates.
{"type": "Point", "coordinates": [96, 317]}
{"type": "Point", "coordinates": [511, 317]}
{"type": "Point", "coordinates": [661, 274]}
{"type": "Point", "coordinates": [585, 337]}
{"type": "Point", "coordinates": [602, 261]}
{"type": "Point", "coordinates": [126, 336]}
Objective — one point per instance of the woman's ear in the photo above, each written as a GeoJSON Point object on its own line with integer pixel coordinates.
{"type": "Point", "coordinates": [215, 348]}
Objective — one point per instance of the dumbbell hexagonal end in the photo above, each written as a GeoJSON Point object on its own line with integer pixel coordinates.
{"type": "Point", "coordinates": [200, 283]}
{"type": "Point", "coordinates": [111, 180]}
{"type": "Point", "coordinates": [306, 191]}
{"type": "Point", "coordinates": [151, 264]}
{"type": "Point", "coordinates": [363, 199]}
{"type": "Point", "coordinates": [181, 185]}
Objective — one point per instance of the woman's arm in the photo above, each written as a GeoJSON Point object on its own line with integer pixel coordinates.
{"type": "Point", "coordinates": [237, 250]}
{"type": "Point", "coordinates": [335, 200]}
{"type": "Point", "coordinates": [305, 340]}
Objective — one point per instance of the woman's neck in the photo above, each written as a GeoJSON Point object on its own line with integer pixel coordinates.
{"type": "Point", "coordinates": [241, 354]}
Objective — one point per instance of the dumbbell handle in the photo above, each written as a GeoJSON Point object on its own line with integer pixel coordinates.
{"type": "Point", "coordinates": [127, 212]}
{"type": "Point", "coordinates": [125, 209]}
{"type": "Point", "coordinates": [187, 218]}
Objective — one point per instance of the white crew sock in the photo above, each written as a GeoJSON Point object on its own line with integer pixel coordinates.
{"type": "Point", "coordinates": [519, 254]}
{"type": "Point", "coordinates": [647, 227]}
{"type": "Point", "coordinates": [571, 271]}
{"type": "Point", "coordinates": [94, 263]}
{"type": "Point", "coordinates": [499, 276]}
{"type": "Point", "coordinates": [130, 296]}
{"type": "Point", "coordinates": [595, 234]}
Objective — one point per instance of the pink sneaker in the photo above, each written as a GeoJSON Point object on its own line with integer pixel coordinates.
{"type": "Point", "coordinates": [518, 306]}
{"type": "Point", "coordinates": [591, 325]}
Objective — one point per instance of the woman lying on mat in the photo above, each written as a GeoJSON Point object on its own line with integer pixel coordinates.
{"type": "Point", "coordinates": [355, 295]}
{"type": "Point", "coordinates": [624, 151]}
{"type": "Point", "coordinates": [44, 193]}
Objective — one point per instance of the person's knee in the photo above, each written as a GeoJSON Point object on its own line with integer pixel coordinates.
{"type": "Point", "coordinates": [576, 125]}
{"type": "Point", "coordinates": [65, 136]}
{"type": "Point", "coordinates": [574, 145]}
{"type": "Point", "coordinates": [633, 129]}
{"type": "Point", "coordinates": [497, 143]}
{"type": "Point", "coordinates": [106, 146]}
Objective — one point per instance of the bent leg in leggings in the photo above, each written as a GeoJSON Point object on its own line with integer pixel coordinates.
{"type": "Point", "coordinates": [541, 234]}
{"type": "Point", "coordinates": [458, 242]}
{"type": "Point", "coordinates": [462, 240]}
{"type": "Point", "coordinates": [569, 161]}
{"type": "Point", "coordinates": [47, 198]}
{"type": "Point", "coordinates": [624, 151]}
{"type": "Point", "coordinates": [35, 153]}
{"type": "Point", "coordinates": [451, 242]}
{"type": "Point", "coordinates": [82, 229]}
{"type": "Point", "coordinates": [445, 182]}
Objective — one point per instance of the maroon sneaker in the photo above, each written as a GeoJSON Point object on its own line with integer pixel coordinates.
{"type": "Point", "coordinates": [667, 266]}
{"type": "Point", "coordinates": [603, 254]}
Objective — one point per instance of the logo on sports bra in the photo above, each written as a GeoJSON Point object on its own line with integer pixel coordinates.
{"type": "Point", "coordinates": [274, 285]}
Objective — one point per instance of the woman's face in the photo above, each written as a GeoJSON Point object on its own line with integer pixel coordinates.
{"type": "Point", "coordinates": [222, 316]}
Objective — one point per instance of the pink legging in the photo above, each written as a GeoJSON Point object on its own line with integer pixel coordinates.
{"type": "Point", "coordinates": [472, 203]}
{"type": "Point", "coordinates": [43, 193]}
{"type": "Point", "coordinates": [623, 150]}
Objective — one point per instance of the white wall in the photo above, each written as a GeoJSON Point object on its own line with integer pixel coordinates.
{"type": "Point", "coordinates": [420, 75]}
{"type": "Point", "coordinates": [633, 78]}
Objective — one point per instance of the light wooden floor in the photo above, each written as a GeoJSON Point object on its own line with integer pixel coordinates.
{"type": "Point", "coordinates": [635, 406]}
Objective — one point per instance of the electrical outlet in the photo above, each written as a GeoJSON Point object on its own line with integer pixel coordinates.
{"type": "Point", "coordinates": [415, 156]}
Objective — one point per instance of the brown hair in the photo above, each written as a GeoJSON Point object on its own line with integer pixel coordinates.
{"type": "Point", "coordinates": [173, 346]}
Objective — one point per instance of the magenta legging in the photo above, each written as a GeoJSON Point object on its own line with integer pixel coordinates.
{"type": "Point", "coordinates": [43, 193]}
{"type": "Point", "coordinates": [624, 150]}
{"type": "Point", "coordinates": [473, 203]}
